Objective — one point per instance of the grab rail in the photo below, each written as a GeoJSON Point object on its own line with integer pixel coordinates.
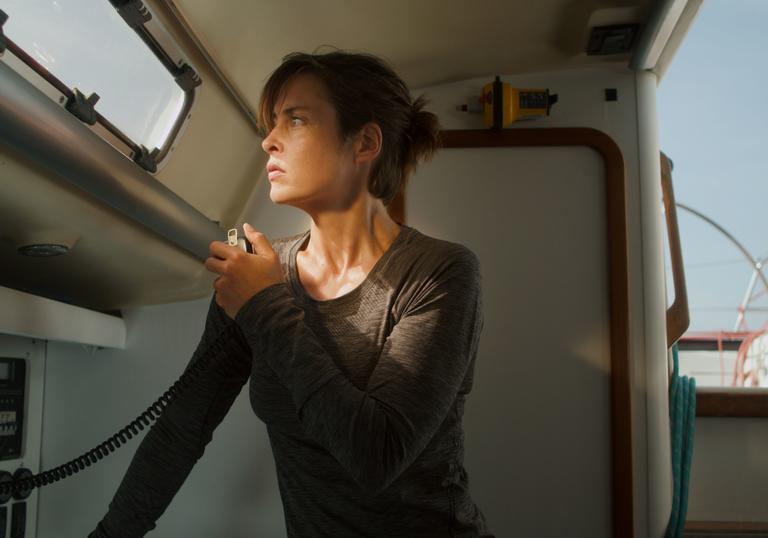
{"type": "Point", "coordinates": [678, 317]}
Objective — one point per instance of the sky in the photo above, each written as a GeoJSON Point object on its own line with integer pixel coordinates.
{"type": "Point", "coordinates": [714, 127]}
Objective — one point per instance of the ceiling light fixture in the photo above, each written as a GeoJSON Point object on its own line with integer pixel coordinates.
{"type": "Point", "coordinates": [46, 243]}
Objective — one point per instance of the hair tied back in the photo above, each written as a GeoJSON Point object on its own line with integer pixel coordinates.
{"type": "Point", "coordinates": [424, 131]}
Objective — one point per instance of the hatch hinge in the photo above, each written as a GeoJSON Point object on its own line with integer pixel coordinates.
{"type": "Point", "coordinates": [146, 159]}
{"type": "Point", "coordinates": [133, 12]}
{"type": "Point", "coordinates": [82, 107]}
{"type": "Point", "coordinates": [188, 78]}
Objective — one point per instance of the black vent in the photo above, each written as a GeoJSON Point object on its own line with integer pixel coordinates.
{"type": "Point", "coordinates": [616, 39]}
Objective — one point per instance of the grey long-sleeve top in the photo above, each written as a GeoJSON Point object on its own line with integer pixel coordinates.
{"type": "Point", "coordinates": [362, 396]}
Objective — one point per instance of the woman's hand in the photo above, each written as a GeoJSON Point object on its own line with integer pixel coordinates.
{"type": "Point", "coordinates": [243, 275]}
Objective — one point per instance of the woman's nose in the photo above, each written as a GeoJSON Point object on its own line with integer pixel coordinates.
{"type": "Point", "coordinates": [270, 143]}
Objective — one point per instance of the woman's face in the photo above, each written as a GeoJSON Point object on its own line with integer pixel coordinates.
{"type": "Point", "coordinates": [309, 166]}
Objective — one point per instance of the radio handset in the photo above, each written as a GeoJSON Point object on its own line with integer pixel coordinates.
{"type": "Point", "coordinates": [235, 241]}
{"type": "Point", "coordinates": [21, 485]}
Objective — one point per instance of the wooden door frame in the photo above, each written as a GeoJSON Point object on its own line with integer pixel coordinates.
{"type": "Point", "coordinates": [622, 478]}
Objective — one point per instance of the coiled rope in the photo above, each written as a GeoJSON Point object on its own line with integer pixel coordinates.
{"type": "Point", "coordinates": [682, 417]}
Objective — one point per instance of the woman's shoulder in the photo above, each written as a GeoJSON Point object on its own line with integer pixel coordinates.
{"type": "Point", "coordinates": [437, 253]}
{"type": "Point", "coordinates": [426, 262]}
{"type": "Point", "coordinates": [282, 247]}
{"type": "Point", "coordinates": [432, 267]}
{"type": "Point", "coordinates": [282, 243]}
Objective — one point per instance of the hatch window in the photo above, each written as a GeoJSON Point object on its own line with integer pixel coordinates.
{"type": "Point", "coordinates": [107, 48]}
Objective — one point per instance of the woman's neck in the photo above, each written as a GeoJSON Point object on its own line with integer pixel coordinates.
{"type": "Point", "coordinates": [354, 239]}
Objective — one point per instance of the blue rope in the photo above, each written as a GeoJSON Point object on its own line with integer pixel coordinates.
{"type": "Point", "coordinates": [682, 417]}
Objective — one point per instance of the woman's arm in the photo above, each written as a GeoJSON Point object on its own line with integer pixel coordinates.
{"type": "Point", "coordinates": [378, 432]}
{"type": "Point", "coordinates": [177, 440]}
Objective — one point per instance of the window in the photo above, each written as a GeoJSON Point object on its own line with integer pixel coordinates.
{"type": "Point", "coordinates": [91, 46]}
{"type": "Point", "coordinates": [717, 138]}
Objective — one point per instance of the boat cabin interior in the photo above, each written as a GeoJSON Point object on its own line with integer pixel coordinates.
{"type": "Point", "coordinates": [130, 140]}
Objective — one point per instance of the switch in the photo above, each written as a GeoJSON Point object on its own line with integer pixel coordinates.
{"type": "Point", "coordinates": [5, 478]}
{"type": "Point", "coordinates": [18, 520]}
{"type": "Point", "coordinates": [3, 520]}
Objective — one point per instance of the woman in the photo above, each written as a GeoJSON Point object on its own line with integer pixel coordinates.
{"type": "Point", "coordinates": [358, 336]}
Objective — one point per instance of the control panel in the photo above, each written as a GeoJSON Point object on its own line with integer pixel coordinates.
{"type": "Point", "coordinates": [13, 379]}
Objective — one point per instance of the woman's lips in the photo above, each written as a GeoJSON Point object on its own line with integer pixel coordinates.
{"type": "Point", "coordinates": [274, 170]}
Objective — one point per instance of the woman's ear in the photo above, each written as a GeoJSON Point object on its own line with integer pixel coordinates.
{"type": "Point", "coordinates": [369, 143]}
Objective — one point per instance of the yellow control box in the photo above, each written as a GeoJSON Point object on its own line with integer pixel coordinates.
{"type": "Point", "coordinates": [502, 104]}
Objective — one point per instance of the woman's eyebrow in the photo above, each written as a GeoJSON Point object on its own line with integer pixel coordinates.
{"type": "Point", "coordinates": [291, 110]}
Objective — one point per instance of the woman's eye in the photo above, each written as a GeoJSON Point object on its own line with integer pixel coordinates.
{"type": "Point", "coordinates": [295, 120]}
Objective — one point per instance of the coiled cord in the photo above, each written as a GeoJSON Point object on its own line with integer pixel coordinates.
{"type": "Point", "coordinates": [23, 486]}
{"type": "Point", "coordinates": [682, 415]}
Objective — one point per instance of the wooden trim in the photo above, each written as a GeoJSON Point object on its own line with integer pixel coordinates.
{"type": "Point", "coordinates": [727, 526]}
{"type": "Point", "coordinates": [692, 343]}
{"type": "Point", "coordinates": [732, 402]}
{"type": "Point", "coordinates": [678, 317]}
{"type": "Point", "coordinates": [616, 223]}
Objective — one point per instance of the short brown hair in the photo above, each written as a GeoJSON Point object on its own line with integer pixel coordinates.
{"type": "Point", "coordinates": [363, 88]}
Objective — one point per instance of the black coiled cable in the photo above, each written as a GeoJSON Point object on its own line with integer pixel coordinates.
{"type": "Point", "coordinates": [153, 412]}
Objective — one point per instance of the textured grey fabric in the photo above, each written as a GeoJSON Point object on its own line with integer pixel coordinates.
{"type": "Point", "coordinates": [362, 396]}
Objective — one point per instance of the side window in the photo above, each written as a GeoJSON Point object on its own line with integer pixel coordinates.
{"type": "Point", "coordinates": [720, 189]}
{"type": "Point", "coordinates": [105, 60]}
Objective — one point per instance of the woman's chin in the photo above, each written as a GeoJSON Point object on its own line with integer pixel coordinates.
{"type": "Point", "coordinates": [279, 197]}
{"type": "Point", "coordinates": [275, 194]}
{"type": "Point", "coordinates": [294, 197]}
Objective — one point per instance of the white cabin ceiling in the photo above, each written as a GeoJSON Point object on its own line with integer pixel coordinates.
{"type": "Point", "coordinates": [218, 161]}
{"type": "Point", "coordinates": [427, 41]}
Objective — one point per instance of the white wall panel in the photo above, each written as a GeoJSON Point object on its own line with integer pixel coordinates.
{"type": "Point", "coordinates": [538, 420]}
